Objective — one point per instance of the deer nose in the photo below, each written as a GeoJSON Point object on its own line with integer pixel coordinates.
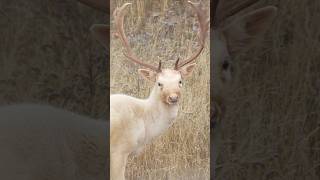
{"type": "Point", "coordinates": [173, 98]}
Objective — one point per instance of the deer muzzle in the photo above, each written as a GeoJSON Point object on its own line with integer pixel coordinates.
{"type": "Point", "coordinates": [173, 98]}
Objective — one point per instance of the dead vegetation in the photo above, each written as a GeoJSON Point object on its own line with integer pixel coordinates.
{"type": "Point", "coordinates": [271, 130]}
{"type": "Point", "coordinates": [47, 55]}
{"type": "Point", "coordinates": [272, 126]}
{"type": "Point", "coordinates": [166, 30]}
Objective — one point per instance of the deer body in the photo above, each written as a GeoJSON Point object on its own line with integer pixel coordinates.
{"type": "Point", "coordinates": [135, 122]}
{"type": "Point", "coordinates": [43, 142]}
{"type": "Point", "coordinates": [146, 119]}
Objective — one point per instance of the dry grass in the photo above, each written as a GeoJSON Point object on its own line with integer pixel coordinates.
{"type": "Point", "coordinates": [271, 131]}
{"type": "Point", "coordinates": [272, 128]}
{"type": "Point", "coordinates": [164, 30]}
{"type": "Point", "coordinates": [48, 55]}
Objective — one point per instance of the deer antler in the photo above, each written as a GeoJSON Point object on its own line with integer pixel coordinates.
{"type": "Point", "coordinates": [119, 14]}
{"type": "Point", "coordinates": [101, 5]}
{"type": "Point", "coordinates": [203, 28]}
{"type": "Point", "coordinates": [226, 10]}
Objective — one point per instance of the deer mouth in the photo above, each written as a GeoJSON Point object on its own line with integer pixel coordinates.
{"type": "Point", "coordinates": [172, 102]}
{"type": "Point", "coordinates": [172, 99]}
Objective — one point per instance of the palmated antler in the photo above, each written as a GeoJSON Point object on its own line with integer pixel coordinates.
{"type": "Point", "coordinates": [202, 34]}
{"type": "Point", "coordinates": [118, 15]}
{"type": "Point", "coordinates": [223, 10]}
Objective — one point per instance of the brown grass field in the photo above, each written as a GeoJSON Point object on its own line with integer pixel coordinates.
{"type": "Point", "coordinates": [47, 55]}
{"type": "Point", "coordinates": [271, 129]}
{"type": "Point", "coordinates": [165, 30]}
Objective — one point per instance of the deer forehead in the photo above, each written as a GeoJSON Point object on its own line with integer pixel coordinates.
{"type": "Point", "coordinates": [169, 76]}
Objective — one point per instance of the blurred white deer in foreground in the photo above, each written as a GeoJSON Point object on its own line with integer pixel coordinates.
{"type": "Point", "coordinates": [232, 35]}
{"type": "Point", "coordinates": [43, 142]}
{"type": "Point", "coordinates": [135, 122]}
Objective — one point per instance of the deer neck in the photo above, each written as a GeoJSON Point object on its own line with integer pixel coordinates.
{"type": "Point", "coordinates": [159, 116]}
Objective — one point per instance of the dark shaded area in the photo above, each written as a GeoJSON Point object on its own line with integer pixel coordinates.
{"type": "Point", "coordinates": [270, 127]}
{"type": "Point", "coordinates": [48, 56]}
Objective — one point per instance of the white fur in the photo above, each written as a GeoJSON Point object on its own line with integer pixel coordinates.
{"type": "Point", "coordinates": [43, 142]}
{"type": "Point", "coordinates": [136, 122]}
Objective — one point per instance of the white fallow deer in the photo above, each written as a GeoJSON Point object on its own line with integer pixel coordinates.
{"type": "Point", "coordinates": [232, 35]}
{"type": "Point", "coordinates": [40, 142]}
{"type": "Point", "coordinates": [135, 122]}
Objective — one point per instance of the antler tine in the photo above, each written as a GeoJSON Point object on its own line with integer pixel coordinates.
{"type": "Point", "coordinates": [232, 10]}
{"type": "Point", "coordinates": [159, 66]}
{"type": "Point", "coordinates": [176, 64]}
{"type": "Point", "coordinates": [119, 14]}
{"type": "Point", "coordinates": [101, 5]}
{"type": "Point", "coordinates": [203, 28]}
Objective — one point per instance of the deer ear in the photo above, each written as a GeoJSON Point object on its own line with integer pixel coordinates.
{"type": "Point", "coordinates": [101, 33]}
{"type": "Point", "coordinates": [187, 70]}
{"type": "Point", "coordinates": [243, 32]}
{"type": "Point", "coordinates": [148, 74]}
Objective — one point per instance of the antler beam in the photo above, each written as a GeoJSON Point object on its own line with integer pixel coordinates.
{"type": "Point", "coordinates": [203, 28]}
{"type": "Point", "coordinates": [118, 15]}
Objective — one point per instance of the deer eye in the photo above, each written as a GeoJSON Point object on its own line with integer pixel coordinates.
{"type": "Point", "coordinates": [159, 84]}
{"type": "Point", "coordinates": [180, 82]}
{"type": "Point", "coordinates": [225, 65]}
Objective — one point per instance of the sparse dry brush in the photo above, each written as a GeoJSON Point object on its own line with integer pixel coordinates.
{"type": "Point", "coordinates": [48, 55]}
{"type": "Point", "coordinates": [166, 30]}
{"type": "Point", "coordinates": [271, 130]}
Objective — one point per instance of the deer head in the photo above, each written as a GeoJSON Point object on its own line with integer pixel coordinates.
{"type": "Point", "coordinates": [167, 82]}
{"type": "Point", "coordinates": [232, 36]}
